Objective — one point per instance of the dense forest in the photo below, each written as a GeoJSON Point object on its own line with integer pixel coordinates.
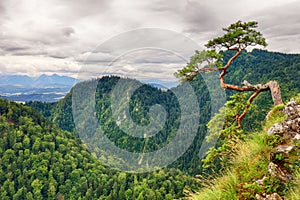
{"type": "Point", "coordinates": [40, 161]}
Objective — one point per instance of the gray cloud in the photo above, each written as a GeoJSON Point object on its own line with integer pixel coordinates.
{"type": "Point", "coordinates": [60, 33]}
{"type": "Point", "coordinates": [82, 8]}
{"type": "Point", "coordinates": [281, 26]}
{"type": "Point", "coordinates": [67, 31]}
{"type": "Point", "coordinates": [3, 69]}
{"type": "Point", "coordinates": [2, 9]}
{"type": "Point", "coordinates": [2, 15]}
{"type": "Point", "coordinates": [200, 17]}
{"type": "Point", "coordinates": [11, 46]}
{"type": "Point", "coordinates": [281, 20]}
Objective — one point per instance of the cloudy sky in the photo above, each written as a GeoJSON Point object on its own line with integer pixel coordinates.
{"type": "Point", "coordinates": [136, 38]}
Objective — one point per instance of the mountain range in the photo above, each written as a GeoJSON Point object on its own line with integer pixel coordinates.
{"type": "Point", "coordinates": [46, 88]}
{"type": "Point", "coordinates": [42, 81]}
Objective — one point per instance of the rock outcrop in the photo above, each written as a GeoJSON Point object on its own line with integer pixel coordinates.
{"type": "Point", "coordinates": [288, 133]}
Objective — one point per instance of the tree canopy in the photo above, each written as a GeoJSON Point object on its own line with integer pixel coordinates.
{"type": "Point", "coordinates": [238, 36]}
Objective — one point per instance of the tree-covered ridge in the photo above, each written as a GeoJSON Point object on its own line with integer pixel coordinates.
{"type": "Point", "coordinates": [40, 161]}
{"type": "Point", "coordinates": [141, 101]}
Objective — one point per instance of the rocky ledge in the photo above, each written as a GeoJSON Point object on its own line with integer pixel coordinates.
{"type": "Point", "coordinates": [287, 134]}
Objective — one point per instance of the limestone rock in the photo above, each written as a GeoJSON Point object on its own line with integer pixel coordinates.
{"type": "Point", "coordinates": [276, 128]}
{"type": "Point", "coordinates": [276, 171]}
{"type": "Point", "coordinates": [258, 197]}
{"type": "Point", "coordinates": [289, 108]}
{"type": "Point", "coordinates": [296, 137]}
{"type": "Point", "coordinates": [284, 148]}
{"type": "Point", "coordinates": [273, 196]}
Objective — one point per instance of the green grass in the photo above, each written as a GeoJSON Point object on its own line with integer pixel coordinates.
{"type": "Point", "coordinates": [274, 116]}
{"type": "Point", "coordinates": [250, 163]}
{"type": "Point", "coordinates": [297, 99]}
{"type": "Point", "coordinates": [294, 193]}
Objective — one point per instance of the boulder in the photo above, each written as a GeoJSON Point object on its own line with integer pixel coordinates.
{"type": "Point", "coordinates": [276, 128]}
{"type": "Point", "coordinates": [284, 148]}
{"type": "Point", "coordinates": [277, 172]}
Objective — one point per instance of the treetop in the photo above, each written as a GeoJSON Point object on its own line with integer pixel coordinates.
{"type": "Point", "coordinates": [238, 36]}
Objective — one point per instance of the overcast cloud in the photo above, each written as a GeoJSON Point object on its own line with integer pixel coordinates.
{"type": "Point", "coordinates": [62, 36]}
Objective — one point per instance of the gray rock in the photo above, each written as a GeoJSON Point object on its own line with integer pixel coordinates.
{"type": "Point", "coordinates": [290, 108]}
{"type": "Point", "coordinates": [258, 197]}
{"type": "Point", "coordinates": [273, 196]}
{"type": "Point", "coordinates": [289, 123]}
{"type": "Point", "coordinates": [284, 148]}
{"type": "Point", "coordinates": [276, 128]}
{"type": "Point", "coordinates": [272, 168]}
{"type": "Point", "coordinates": [275, 171]}
{"type": "Point", "coordinates": [296, 137]}
{"type": "Point", "coordinates": [294, 126]}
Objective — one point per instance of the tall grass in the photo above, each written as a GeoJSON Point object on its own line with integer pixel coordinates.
{"type": "Point", "coordinates": [294, 193]}
{"type": "Point", "coordinates": [250, 164]}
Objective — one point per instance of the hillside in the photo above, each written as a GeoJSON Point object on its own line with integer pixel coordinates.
{"type": "Point", "coordinates": [258, 66]}
{"type": "Point", "coordinates": [40, 161]}
{"type": "Point", "coordinates": [266, 166]}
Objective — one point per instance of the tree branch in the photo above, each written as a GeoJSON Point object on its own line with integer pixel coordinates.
{"type": "Point", "coordinates": [242, 116]}
{"type": "Point", "coordinates": [272, 86]}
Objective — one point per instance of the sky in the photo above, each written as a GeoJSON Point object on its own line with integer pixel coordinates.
{"type": "Point", "coordinates": [134, 38]}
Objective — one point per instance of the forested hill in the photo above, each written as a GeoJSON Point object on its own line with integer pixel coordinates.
{"type": "Point", "coordinates": [40, 161]}
{"type": "Point", "coordinates": [259, 66]}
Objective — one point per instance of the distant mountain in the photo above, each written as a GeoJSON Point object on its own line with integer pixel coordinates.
{"type": "Point", "coordinates": [41, 81]}
{"type": "Point", "coordinates": [160, 84]}
{"type": "Point", "coordinates": [15, 80]}
{"type": "Point", "coordinates": [44, 88]}
{"type": "Point", "coordinates": [53, 80]}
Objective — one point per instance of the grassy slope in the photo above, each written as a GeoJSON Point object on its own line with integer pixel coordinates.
{"type": "Point", "coordinates": [251, 164]}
